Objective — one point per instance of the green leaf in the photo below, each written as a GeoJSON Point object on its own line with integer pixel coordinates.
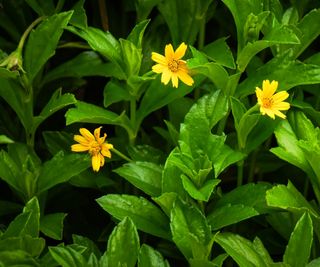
{"type": "Point", "coordinates": [91, 247]}
{"type": "Point", "coordinates": [5, 139]}
{"type": "Point", "coordinates": [299, 247]}
{"type": "Point", "coordinates": [52, 225]}
{"type": "Point", "coordinates": [220, 52]}
{"type": "Point", "coordinates": [200, 119]}
{"type": "Point", "coordinates": [250, 195]}
{"type": "Point", "coordinates": [166, 201]}
{"type": "Point", "coordinates": [42, 8]}
{"type": "Point", "coordinates": [8, 207]}
{"type": "Point", "coordinates": [4, 73]}
{"type": "Point", "coordinates": [17, 258]}
{"type": "Point", "coordinates": [214, 71]}
{"type": "Point", "coordinates": [85, 112]}
{"type": "Point", "coordinates": [203, 193]}
{"type": "Point", "coordinates": [184, 18]}
{"type": "Point", "coordinates": [307, 31]}
{"type": "Point", "coordinates": [201, 263]}
{"type": "Point", "coordinates": [190, 231]}
{"type": "Point", "coordinates": [9, 171]}
{"type": "Point", "coordinates": [288, 149]}
{"type": "Point", "coordinates": [137, 32]}
{"type": "Point", "coordinates": [123, 244]}
{"type": "Point", "coordinates": [146, 176]}
{"type": "Point", "coordinates": [314, 263]}
{"type": "Point", "coordinates": [26, 223]}
{"type": "Point", "coordinates": [289, 198]}
{"type": "Point", "coordinates": [240, 12]}
{"type": "Point", "coordinates": [230, 214]}
{"type": "Point", "coordinates": [102, 42]}
{"type": "Point", "coordinates": [241, 250]}
{"type": "Point", "coordinates": [307, 109]}
{"type": "Point", "coordinates": [115, 92]}
{"type": "Point", "coordinates": [57, 141]}
{"type": "Point", "coordinates": [45, 38]}
{"type": "Point", "coordinates": [159, 95]}
{"type": "Point", "coordinates": [218, 261]}
{"type": "Point", "coordinates": [59, 169]}
{"type": "Point", "coordinates": [281, 35]}
{"type": "Point", "coordinates": [149, 257]}
{"type": "Point", "coordinates": [32, 245]}
{"type": "Point", "coordinates": [57, 101]}
{"type": "Point", "coordinates": [87, 63]}
{"type": "Point", "coordinates": [145, 215]}
{"type": "Point", "coordinates": [13, 93]}
{"type": "Point", "coordinates": [67, 256]}
{"type": "Point", "coordinates": [288, 72]}
{"type": "Point", "coordinates": [131, 57]}
{"type": "Point", "coordinates": [144, 7]}
{"type": "Point", "coordinates": [79, 17]}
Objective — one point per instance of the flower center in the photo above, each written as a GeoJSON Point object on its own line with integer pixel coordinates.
{"type": "Point", "coordinates": [95, 148]}
{"type": "Point", "coordinates": [173, 65]}
{"type": "Point", "coordinates": [267, 102]}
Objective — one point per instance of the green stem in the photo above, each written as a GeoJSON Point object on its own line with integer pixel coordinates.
{"type": "Point", "coordinates": [133, 107]}
{"type": "Point", "coordinates": [240, 173]}
{"type": "Point", "coordinates": [116, 151]}
{"type": "Point", "coordinates": [74, 45]}
{"type": "Point", "coordinates": [202, 34]}
{"type": "Point", "coordinates": [252, 166]}
{"type": "Point", "coordinates": [27, 31]}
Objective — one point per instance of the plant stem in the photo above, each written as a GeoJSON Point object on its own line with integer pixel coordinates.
{"type": "Point", "coordinates": [74, 45]}
{"type": "Point", "coordinates": [103, 15]}
{"type": "Point", "coordinates": [133, 106]}
{"type": "Point", "coordinates": [27, 31]}
{"type": "Point", "coordinates": [252, 166]}
{"type": "Point", "coordinates": [240, 173]}
{"type": "Point", "coordinates": [116, 151]}
{"type": "Point", "coordinates": [202, 32]}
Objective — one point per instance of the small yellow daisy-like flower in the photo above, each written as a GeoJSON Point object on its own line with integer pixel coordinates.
{"type": "Point", "coordinates": [271, 103]}
{"type": "Point", "coordinates": [94, 144]}
{"type": "Point", "coordinates": [172, 66]}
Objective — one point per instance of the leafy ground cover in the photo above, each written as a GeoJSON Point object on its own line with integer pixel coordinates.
{"type": "Point", "coordinates": [159, 133]}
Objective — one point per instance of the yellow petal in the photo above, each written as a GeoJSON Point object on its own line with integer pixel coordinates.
{"type": "Point", "coordinates": [86, 134]}
{"type": "Point", "coordinates": [80, 139]}
{"type": "Point", "coordinates": [158, 68]}
{"type": "Point", "coordinates": [279, 114]}
{"type": "Point", "coordinates": [168, 51]}
{"type": "Point", "coordinates": [281, 106]}
{"type": "Point", "coordinates": [79, 148]}
{"type": "Point", "coordinates": [166, 75]}
{"type": "Point", "coordinates": [95, 161]}
{"type": "Point", "coordinates": [158, 58]}
{"type": "Point", "coordinates": [269, 88]}
{"type": "Point", "coordinates": [279, 97]}
{"type": "Point", "coordinates": [185, 78]}
{"type": "Point", "coordinates": [180, 51]}
{"type": "Point", "coordinates": [105, 151]}
{"type": "Point", "coordinates": [174, 80]}
{"type": "Point", "coordinates": [258, 93]}
{"type": "Point", "coordinates": [101, 160]}
{"type": "Point", "coordinates": [270, 113]}
{"type": "Point", "coordinates": [97, 133]}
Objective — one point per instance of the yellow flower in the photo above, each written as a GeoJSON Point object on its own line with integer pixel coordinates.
{"type": "Point", "coordinates": [271, 103]}
{"type": "Point", "coordinates": [94, 144]}
{"type": "Point", "coordinates": [171, 66]}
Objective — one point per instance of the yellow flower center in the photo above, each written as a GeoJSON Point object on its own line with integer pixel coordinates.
{"type": "Point", "coordinates": [95, 148]}
{"type": "Point", "coordinates": [173, 65]}
{"type": "Point", "coordinates": [267, 102]}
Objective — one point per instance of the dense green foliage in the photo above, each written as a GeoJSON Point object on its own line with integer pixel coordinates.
{"type": "Point", "coordinates": [199, 177]}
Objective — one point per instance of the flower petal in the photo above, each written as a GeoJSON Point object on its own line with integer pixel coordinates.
{"type": "Point", "coordinates": [269, 88]}
{"type": "Point", "coordinates": [180, 51]}
{"type": "Point", "coordinates": [168, 51]}
{"type": "Point", "coordinates": [80, 139]}
{"type": "Point", "coordinates": [105, 150]}
{"type": "Point", "coordinates": [95, 161]}
{"type": "Point", "coordinates": [270, 113]}
{"type": "Point", "coordinates": [79, 148]}
{"type": "Point", "coordinates": [97, 133]}
{"type": "Point", "coordinates": [158, 58]}
{"type": "Point", "coordinates": [101, 160]}
{"type": "Point", "coordinates": [279, 114]}
{"type": "Point", "coordinates": [281, 106]}
{"type": "Point", "coordinates": [158, 68]}
{"type": "Point", "coordinates": [185, 78]}
{"type": "Point", "coordinates": [166, 75]}
{"type": "Point", "coordinates": [174, 80]}
{"type": "Point", "coordinates": [86, 134]}
{"type": "Point", "coordinates": [279, 97]}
